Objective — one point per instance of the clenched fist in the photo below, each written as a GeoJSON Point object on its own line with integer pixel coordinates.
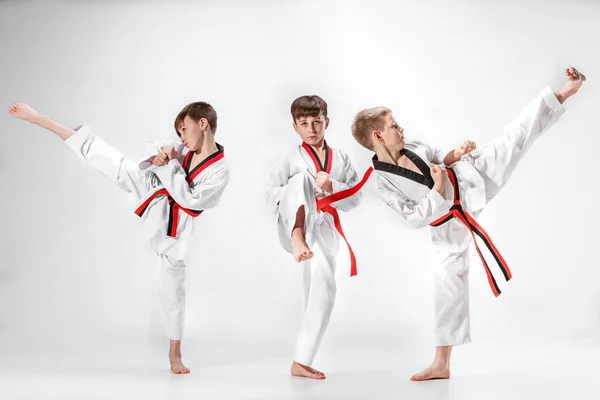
{"type": "Point", "coordinates": [160, 159]}
{"type": "Point", "coordinates": [324, 181]}
{"type": "Point", "coordinates": [169, 151]}
{"type": "Point", "coordinates": [466, 147]}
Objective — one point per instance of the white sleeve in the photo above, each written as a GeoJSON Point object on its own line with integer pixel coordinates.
{"type": "Point", "coordinates": [204, 195]}
{"type": "Point", "coordinates": [435, 155]}
{"type": "Point", "coordinates": [277, 180]}
{"type": "Point", "coordinates": [350, 178]}
{"type": "Point", "coordinates": [415, 214]}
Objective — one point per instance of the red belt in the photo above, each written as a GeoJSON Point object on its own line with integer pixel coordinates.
{"type": "Point", "coordinates": [456, 211]}
{"type": "Point", "coordinates": [173, 211]}
{"type": "Point", "coordinates": [324, 205]}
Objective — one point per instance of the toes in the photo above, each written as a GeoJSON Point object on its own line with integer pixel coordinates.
{"type": "Point", "coordinates": [572, 72]}
{"type": "Point", "coordinates": [317, 373]}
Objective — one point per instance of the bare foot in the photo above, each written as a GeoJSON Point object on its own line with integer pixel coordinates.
{"type": "Point", "coordinates": [177, 366]}
{"type": "Point", "coordinates": [574, 82]}
{"type": "Point", "coordinates": [306, 372]}
{"type": "Point", "coordinates": [24, 111]}
{"type": "Point", "coordinates": [300, 249]}
{"type": "Point", "coordinates": [434, 371]}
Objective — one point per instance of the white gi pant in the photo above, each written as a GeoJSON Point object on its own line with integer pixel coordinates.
{"type": "Point", "coordinates": [319, 285]}
{"type": "Point", "coordinates": [169, 273]}
{"type": "Point", "coordinates": [494, 162]}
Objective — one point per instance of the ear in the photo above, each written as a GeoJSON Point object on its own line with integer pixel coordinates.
{"type": "Point", "coordinates": [326, 122]}
{"type": "Point", "coordinates": [295, 127]}
{"type": "Point", "coordinates": [376, 135]}
{"type": "Point", "coordinates": [204, 125]}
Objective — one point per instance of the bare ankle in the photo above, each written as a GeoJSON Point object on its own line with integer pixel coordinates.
{"type": "Point", "coordinates": [441, 364]}
{"type": "Point", "coordinates": [39, 119]}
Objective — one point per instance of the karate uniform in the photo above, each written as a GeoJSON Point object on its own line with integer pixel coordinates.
{"type": "Point", "coordinates": [291, 184]}
{"type": "Point", "coordinates": [479, 176]}
{"type": "Point", "coordinates": [167, 199]}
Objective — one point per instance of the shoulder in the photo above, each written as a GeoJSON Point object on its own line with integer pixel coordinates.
{"type": "Point", "coordinates": [289, 154]}
{"type": "Point", "coordinates": [339, 153]}
{"type": "Point", "coordinates": [415, 144]}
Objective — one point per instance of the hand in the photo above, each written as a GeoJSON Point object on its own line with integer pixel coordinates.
{"type": "Point", "coordinates": [169, 151]}
{"type": "Point", "coordinates": [439, 178]}
{"type": "Point", "coordinates": [324, 181]}
{"type": "Point", "coordinates": [466, 147]}
{"type": "Point", "coordinates": [160, 159]}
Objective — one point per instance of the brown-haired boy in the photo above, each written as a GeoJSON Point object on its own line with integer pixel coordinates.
{"type": "Point", "coordinates": [311, 171]}
{"type": "Point", "coordinates": [410, 181]}
{"type": "Point", "coordinates": [170, 189]}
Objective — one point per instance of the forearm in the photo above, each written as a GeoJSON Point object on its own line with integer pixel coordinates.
{"type": "Point", "coordinates": [451, 158]}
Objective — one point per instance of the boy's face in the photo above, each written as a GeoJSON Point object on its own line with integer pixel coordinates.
{"type": "Point", "coordinates": [192, 133]}
{"type": "Point", "coordinates": [392, 135]}
{"type": "Point", "coordinates": [311, 129]}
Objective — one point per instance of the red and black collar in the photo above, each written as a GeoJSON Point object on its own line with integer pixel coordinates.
{"type": "Point", "coordinates": [316, 160]}
{"type": "Point", "coordinates": [208, 161]}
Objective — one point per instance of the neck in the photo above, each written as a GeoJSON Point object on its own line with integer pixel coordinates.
{"type": "Point", "coordinates": [319, 146]}
{"type": "Point", "coordinates": [387, 155]}
{"type": "Point", "coordinates": [208, 144]}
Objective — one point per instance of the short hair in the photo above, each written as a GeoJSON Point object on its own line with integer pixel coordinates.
{"type": "Point", "coordinates": [308, 106]}
{"type": "Point", "coordinates": [367, 121]}
{"type": "Point", "coordinates": [196, 111]}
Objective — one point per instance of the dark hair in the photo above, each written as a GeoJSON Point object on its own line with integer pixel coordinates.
{"type": "Point", "coordinates": [308, 106]}
{"type": "Point", "coordinates": [197, 111]}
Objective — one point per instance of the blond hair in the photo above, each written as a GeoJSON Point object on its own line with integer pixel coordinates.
{"type": "Point", "coordinates": [367, 121]}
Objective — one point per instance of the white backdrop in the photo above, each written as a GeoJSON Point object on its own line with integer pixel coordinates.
{"type": "Point", "coordinates": [75, 273]}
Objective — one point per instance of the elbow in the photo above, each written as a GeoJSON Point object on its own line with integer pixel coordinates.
{"type": "Point", "coordinates": [347, 204]}
{"type": "Point", "coordinates": [197, 205]}
{"type": "Point", "coordinates": [352, 204]}
{"type": "Point", "coordinates": [417, 223]}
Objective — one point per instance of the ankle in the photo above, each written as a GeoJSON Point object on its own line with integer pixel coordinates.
{"type": "Point", "coordinates": [298, 231]}
{"type": "Point", "coordinates": [39, 119]}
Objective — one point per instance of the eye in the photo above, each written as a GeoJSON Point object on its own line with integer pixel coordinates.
{"type": "Point", "coordinates": [317, 122]}
{"type": "Point", "coordinates": [303, 124]}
